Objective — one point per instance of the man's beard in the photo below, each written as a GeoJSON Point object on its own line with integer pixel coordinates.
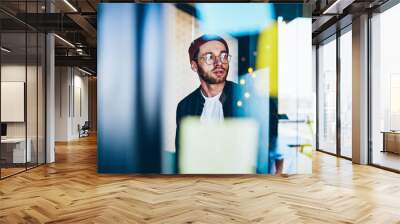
{"type": "Point", "coordinates": [208, 76]}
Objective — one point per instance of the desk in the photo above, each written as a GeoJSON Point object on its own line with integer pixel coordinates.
{"type": "Point", "coordinates": [391, 141]}
{"type": "Point", "coordinates": [16, 147]}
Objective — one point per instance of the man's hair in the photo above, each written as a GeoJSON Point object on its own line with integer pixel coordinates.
{"type": "Point", "coordinates": [196, 44]}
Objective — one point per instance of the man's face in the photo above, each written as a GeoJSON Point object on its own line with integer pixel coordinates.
{"type": "Point", "coordinates": [216, 72]}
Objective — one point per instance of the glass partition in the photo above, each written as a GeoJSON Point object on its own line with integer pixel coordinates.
{"type": "Point", "coordinates": [22, 88]}
{"type": "Point", "coordinates": [14, 153]}
{"type": "Point", "coordinates": [327, 96]}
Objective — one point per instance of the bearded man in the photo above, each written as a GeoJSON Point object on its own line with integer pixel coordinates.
{"type": "Point", "coordinates": [215, 98]}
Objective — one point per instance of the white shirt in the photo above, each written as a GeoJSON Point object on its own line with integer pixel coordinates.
{"type": "Point", "coordinates": [212, 110]}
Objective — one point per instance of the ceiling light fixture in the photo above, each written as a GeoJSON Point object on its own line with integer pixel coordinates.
{"type": "Point", "coordinates": [70, 5]}
{"type": "Point", "coordinates": [329, 9]}
{"type": "Point", "coordinates": [79, 51]}
{"type": "Point", "coordinates": [337, 7]}
{"type": "Point", "coordinates": [5, 50]}
{"type": "Point", "coordinates": [65, 41]}
{"type": "Point", "coordinates": [84, 71]}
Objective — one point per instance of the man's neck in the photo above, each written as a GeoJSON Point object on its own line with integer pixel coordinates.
{"type": "Point", "coordinates": [210, 90]}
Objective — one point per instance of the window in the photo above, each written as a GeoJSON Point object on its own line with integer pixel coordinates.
{"type": "Point", "coordinates": [346, 94]}
{"type": "Point", "coordinates": [327, 96]}
{"type": "Point", "coordinates": [385, 89]}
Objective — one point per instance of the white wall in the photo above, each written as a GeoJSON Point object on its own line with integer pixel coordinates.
{"type": "Point", "coordinates": [69, 85]}
{"type": "Point", "coordinates": [62, 81]}
{"type": "Point", "coordinates": [79, 117]}
{"type": "Point", "coordinates": [12, 73]}
{"type": "Point", "coordinates": [33, 126]}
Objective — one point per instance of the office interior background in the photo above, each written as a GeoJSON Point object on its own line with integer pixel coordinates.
{"type": "Point", "coordinates": [49, 85]}
{"type": "Point", "coordinates": [28, 58]}
{"type": "Point", "coordinates": [24, 27]}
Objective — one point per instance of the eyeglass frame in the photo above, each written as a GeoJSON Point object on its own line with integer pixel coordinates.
{"type": "Point", "coordinates": [229, 57]}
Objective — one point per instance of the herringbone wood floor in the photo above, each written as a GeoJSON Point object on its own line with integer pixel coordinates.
{"type": "Point", "coordinates": [70, 191]}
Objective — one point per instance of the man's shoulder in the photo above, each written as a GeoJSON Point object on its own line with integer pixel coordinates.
{"type": "Point", "coordinates": [193, 96]}
{"type": "Point", "coordinates": [189, 98]}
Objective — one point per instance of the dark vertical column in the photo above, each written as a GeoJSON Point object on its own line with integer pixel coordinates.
{"type": "Point", "coordinates": [37, 90]}
{"type": "Point", "coordinates": [338, 96]}
{"type": "Point", "coordinates": [317, 96]}
{"type": "Point", "coordinates": [369, 90]}
{"type": "Point", "coordinates": [151, 69]}
{"type": "Point", "coordinates": [1, 165]}
{"type": "Point", "coordinates": [130, 72]}
{"type": "Point", "coordinates": [26, 87]}
{"type": "Point", "coordinates": [247, 46]}
{"type": "Point", "coordinates": [117, 88]}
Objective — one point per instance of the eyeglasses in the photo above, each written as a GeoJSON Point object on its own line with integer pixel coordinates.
{"type": "Point", "coordinates": [210, 58]}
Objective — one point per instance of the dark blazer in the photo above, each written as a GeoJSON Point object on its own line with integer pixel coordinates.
{"type": "Point", "coordinates": [258, 107]}
{"type": "Point", "coordinates": [192, 105]}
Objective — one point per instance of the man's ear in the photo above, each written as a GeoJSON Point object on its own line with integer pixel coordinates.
{"type": "Point", "coordinates": [194, 66]}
